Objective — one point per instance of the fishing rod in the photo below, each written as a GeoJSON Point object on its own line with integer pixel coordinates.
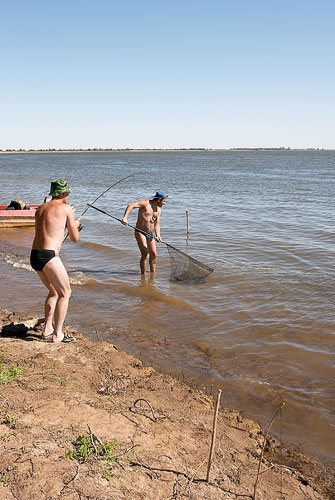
{"type": "Point", "coordinates": [96, 199]}
{"type": "Point", "coordinates": [150, 236]}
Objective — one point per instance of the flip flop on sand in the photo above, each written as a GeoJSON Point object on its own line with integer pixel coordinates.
{"type": "Point", "coordinates": [68, 338]}
{"type": "Point", "coordinates": [47, 338]}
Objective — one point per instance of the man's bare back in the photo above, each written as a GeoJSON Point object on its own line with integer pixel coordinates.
{"type": "Point", "coordinates": [51, 220]}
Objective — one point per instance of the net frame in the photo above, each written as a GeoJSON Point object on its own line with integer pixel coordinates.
{"type": "Point", "coordinates": [185, 267]}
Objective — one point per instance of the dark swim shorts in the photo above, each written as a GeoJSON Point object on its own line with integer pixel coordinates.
{"type": "Point", "coordinates": [38, 258]}
{"type": "Point", "coordinates": [149, 236]}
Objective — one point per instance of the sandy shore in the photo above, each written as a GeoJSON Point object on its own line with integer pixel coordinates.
{"type": "Point", "coordinates": [85, 421]}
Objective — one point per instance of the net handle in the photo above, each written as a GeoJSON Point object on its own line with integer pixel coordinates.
{"type": "Point", "coordinates": [120, 220]}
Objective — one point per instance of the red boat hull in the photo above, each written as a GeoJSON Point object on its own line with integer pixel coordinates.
{"type": "Point", "coordinates": [17, 218]}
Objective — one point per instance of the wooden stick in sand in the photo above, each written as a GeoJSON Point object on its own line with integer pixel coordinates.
{"type": "Point", "coordinates": [213, 434]}
{"type": "Point", "coordinates": [187, 223]}
{"type": "Point", "coordinates": [263, 447]}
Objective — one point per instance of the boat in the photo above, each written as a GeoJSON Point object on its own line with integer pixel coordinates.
{"type": "Point", "coordinates": [17, 218]}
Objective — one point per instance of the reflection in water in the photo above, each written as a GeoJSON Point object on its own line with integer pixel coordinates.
{"type": "Point", "coordinates": [148, 279]}
{"type": "Point", "coordinates": [148, 306]}
{"type": "Point", "coordinates": [151, 296]}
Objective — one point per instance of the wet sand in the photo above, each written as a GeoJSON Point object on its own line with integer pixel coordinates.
{"type": "Point", "coordinates": [146, 435]}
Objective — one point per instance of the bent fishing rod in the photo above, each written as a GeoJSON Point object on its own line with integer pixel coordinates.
{"type": "Point", "coordinates": [96, 199]}
{"type": "Point", "coordinates": [150, 236]}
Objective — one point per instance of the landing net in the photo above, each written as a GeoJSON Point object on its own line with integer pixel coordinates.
{"type": "Point", "coordinates": [186, 268]}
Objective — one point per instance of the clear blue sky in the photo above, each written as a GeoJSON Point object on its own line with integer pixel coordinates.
{"type": "Point", "coordinates": [167, 73]}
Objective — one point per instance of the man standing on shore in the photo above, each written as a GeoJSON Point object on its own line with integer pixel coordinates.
{"type": "Point", "coordinates": [148, 220]}
{"type": "Point", "coordinates": [51, 219]}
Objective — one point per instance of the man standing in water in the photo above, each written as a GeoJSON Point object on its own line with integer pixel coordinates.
{"type": "Point", "coordinates": [51, 219]}
{"type": "Point", "coordinates": [148, 220]}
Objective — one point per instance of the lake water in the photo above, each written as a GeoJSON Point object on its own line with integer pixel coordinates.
{"type": "Point", "coordinates": [260, 327]}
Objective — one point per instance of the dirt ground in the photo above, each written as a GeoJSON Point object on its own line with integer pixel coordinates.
{"type": "Point", "coordinates": [85, 421]}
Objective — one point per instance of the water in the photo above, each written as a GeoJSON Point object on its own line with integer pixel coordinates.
{"type": "Point", "coordinates": [261, 327]}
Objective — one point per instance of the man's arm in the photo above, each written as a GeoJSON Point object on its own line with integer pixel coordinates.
{"type": "Point", "coordinates": [157, 226]}
{"type": "Point", "coordinates": [72, 225]}
{"type": "Point", "coordinates": [130, 207]}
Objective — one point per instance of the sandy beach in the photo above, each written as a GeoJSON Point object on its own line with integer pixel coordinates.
{"type": "Point", "coordinates": [85, 420]}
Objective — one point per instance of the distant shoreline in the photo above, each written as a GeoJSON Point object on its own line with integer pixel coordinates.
{"type": "Point", "coordinates": [153, 150]}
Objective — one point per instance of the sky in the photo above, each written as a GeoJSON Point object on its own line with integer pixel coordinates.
{"type": "Point", "coordinates": [167, 74]}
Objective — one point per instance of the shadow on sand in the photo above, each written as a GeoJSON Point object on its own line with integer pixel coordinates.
{"type": "Point", "coordinates": [23, 330]}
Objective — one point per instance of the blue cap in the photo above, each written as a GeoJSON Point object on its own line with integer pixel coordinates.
{"type": "Point", "coordinates": [160, 195]}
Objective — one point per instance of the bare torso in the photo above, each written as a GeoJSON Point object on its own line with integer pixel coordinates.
{"type": "Point", "coordinates": [51, 220]}
{"type": "Point", "coordinates": [147, 216]}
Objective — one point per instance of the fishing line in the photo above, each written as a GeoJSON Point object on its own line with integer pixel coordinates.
{"type": "Point", "coordinates": [96, 199]}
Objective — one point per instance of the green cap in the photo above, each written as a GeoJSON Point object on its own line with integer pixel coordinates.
{"type": "Point", "coordinates": [59, 186]}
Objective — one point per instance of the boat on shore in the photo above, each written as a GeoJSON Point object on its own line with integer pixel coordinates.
{"type": "Point", "coordinates": [17, 218]}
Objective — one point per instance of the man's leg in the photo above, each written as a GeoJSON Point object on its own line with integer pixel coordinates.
{"type": "Point", "coordinates": [152, 255]}
{"type": "Point", "coordinates": [49, 306]}
{"type": "Point", "coordinates": [57, 276]}
{"type": "Point", "coordinates": [142, 245]}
